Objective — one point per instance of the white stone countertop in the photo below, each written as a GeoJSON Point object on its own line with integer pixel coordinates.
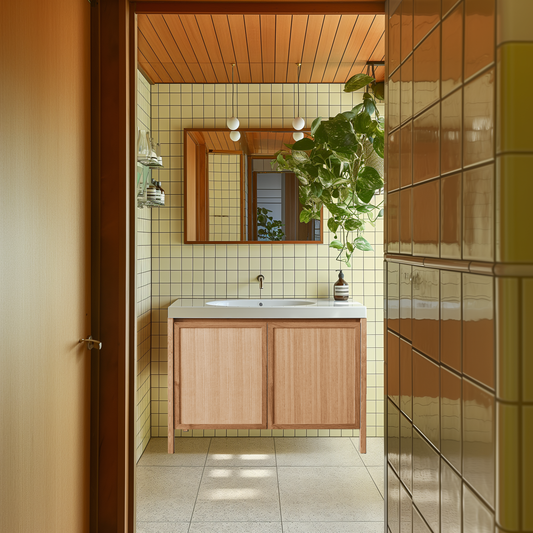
{"type": "Point", "coordinates": [270, 308]}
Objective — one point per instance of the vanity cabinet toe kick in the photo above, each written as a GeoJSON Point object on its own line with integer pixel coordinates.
{"type": "Point", "coordinates": [266, 374]}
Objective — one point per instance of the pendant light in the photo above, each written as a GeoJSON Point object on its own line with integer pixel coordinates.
{"type": "Point", "coordinates": [298, 123]}
{"type": "Point", "coordinates": [233, 122]}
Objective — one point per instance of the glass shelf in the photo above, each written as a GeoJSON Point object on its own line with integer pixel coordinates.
{"type": "Point", "coordinates": [144, 179]}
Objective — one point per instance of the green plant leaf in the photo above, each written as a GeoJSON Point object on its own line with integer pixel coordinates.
{"type": "Point", "coordinates": [353, 223]}
{"type": "Point", "coordinates": [365, 208]}
{"type": "Point", "coordinates": [304, 144]}
{"type": "Point", "coordinates": [316, 189]}
{"type": "Point", "coordinates": [333, 225]}
{"type": "Point", "coordinates": [350, 248]}
{"type": "Point", "coordinates": [362, 122]}
{"type": "Point", "coordinates": [362, 244]}
{"type": "Point", "coordinates": [315, 125]}
{"type": "Point", "coordinates": [370, 107]}
{"type": "Point", "coordinates": [305, 216]}
{"type": "Point", "coordinates": [357, 82]}
{"type": "Point", "coordinates": [341, 136]}
{"type": "Point", "coordinates": [380, 214]}
{"type": "Point", "coordinates": [378, 89]}
{"type": "Point", "coordinates": [369, 178]}
{"type": "Point", "coordinates": [379, 146]}
{"type": "Point", "coordinates": [365, 195]}
{"type": "Point", "coordinates": [336, 244]}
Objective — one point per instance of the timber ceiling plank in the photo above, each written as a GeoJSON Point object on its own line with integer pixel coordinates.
{"type": "Point", "coordinates": [283, 37]}
{"type": "Point", "coordinates": [374, 35]}
{"type": "Point", "coordinates": [240, 47]}
{"type": "Point", "coordinates": [312, 36]}
{"type": "Point", "coordinates": [268, 46]}
{"type": "Point", "coordinates": [223, 35]}
{"type": "Point", "coordinates": [253, 38]}
{"type": "Point", "coordinates": [325, 44]}
{"type": "Point", "coordinates": [343, 36]}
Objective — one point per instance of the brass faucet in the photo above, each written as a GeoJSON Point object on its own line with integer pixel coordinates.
{"type": "Point", "coordinates": [260, 279]}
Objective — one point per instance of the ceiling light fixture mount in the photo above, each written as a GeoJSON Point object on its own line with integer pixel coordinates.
{"type": "Point", "coordinates": [233, 122]}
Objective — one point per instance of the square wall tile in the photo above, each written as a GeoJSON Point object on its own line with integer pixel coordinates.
{"type": "Point", "coordinates": [426, 311]}
{"type": "Point", "coordinates": [394, 39]}
{"type": "Point", "coordinates": [406, 240]}
{"type": "Point", "coordinates": [514, 186]}
{"type": "Point", "coordinates": [406, 378]}
{"type": "Point", "coordinates": [478, 214]}
{"type": "Point", "coordinates": [426, 145]}
{"type": "Point", "coordinates": [451, 144]}
{"type": "Point", "coordinates": [478, 328]}
{"type": "Point", "coordinates": [393, 296]}
{"type": "Point", "coordinates": [450, 216]}
{"type": "Point", "coordinates": [426, 410]}
{"type": "Point", "coordinates": [427, 71]}
{"type": "Point", "coordinates": [450, 417]}
{"type": "Point", "coordinates": [426, 481]}
{"type": "Point", "coordinates": [450, 319]}
{"type": "Point", "coordinates": [479, 35]}
{"type": "Point", "coordinates": [406, 276]}
{"type": "Point", "coordinates": [393, 157]}
{"type": "Point", "coordinates": [426, 219]}
{"type": "Point", "coordinates": [452, 51]}
{"type": "Point", "coordinates": [393, 219]}
{"type": "Point", "coordinates": [406, 155]}
{"type": "Point", "coordinates": [393, 436]}
{"type": "Point", "coordinates": [407, 29]}
{"type": "Point", "coordinates": [393, 367]}
{"type": "Point", "coordinates": [394, 100]}
{"type": "Point", "coordinates": [451, 499]}
{"type": "Point", "coordinates": [406, 91]}
{"type": "Point", "coordinates": [426, 17]}
{"type": "Point", "coordinates": [479, 453]}
{"type": "Point", "coordinates": [478, 119]}
{"type": "Point", "coordinates": [406, 451]}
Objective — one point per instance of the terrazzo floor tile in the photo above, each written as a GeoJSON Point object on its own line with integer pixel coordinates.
{"type": "Point", "coordinates": [166, 494]}
{"type": "Point", "coordinates": [162, 527]}
{"type": "Point", "coordinates": [333, 527]}
{"type": "Point", "coordinates": [239, 495]}
{"type": "Point", "coordinates": [375, 454]}
{"type": "Point", "coordinates": [378, 475]}
{"type": "Point", "coordinates": [235, 527]}
{"type": "Point", "coordinates": [323, 494]}
{"type": "Point", "coordinates": [316, 452]}
{"type": "Point", "coordinates": [244, 451]}
{"type": "Point", "coordinates": [188, 452]}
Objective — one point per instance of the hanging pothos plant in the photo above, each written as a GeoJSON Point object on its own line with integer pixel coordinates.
{"type": "Point", "coordinates": [340, 167]}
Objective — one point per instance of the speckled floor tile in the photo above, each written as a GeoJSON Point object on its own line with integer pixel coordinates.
{"type": "Point", "coordinates": [235, 527]}
{"type": "Point", "coordinates": [333, 527]}
{"type": "Point", "coordinates": [162, 527]}
{"type": "Point", "coordinates": [316, 452]}
{"type": "Point", "coordinates": [238, 495]}
{"type": "Point", "coordinates": [323, 494]}
{"type": "Point", "coordinates": [375, 454]}
{"type": "Point", "coordinates": [378, 475]}
{"type": "Point", "coordinates": [245, 451]}
{"type": "Point", "coordinates": [166, 494]}
{"type": "Point", "coordinates": [188, 452]}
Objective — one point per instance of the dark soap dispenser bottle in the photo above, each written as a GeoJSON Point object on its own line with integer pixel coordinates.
{"type": "Point", "coordinates": [341, 289]}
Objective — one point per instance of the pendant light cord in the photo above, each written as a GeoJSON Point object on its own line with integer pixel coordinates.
{"type": "Point", "coordinates": [232, 92]}
{"type": "Point", "coordinates": [298, 86]}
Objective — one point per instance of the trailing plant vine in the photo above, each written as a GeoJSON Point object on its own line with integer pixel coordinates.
{"type": "Point", "coordinates": [340, 167]}
{"type": "Point", "coordinates": [268, 229]}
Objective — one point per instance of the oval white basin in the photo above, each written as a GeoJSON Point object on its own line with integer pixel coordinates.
{"type": "Point", "coordinates": [261, 303]}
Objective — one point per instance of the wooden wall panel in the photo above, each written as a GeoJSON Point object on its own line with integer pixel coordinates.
{"type": "Point", "coordinates": [45, 266]}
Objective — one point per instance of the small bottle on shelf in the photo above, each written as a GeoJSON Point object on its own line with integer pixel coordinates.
{"type": "Point", "coordinates": [153, 194]}
{"type": "Point", "coordinates": [161, 193]}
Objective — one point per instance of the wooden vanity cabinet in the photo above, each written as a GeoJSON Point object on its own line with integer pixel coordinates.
{"type": "Point", "coordinates": [257, 374]}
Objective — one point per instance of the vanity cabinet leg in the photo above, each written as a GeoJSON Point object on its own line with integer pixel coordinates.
{"type": "Point", "coordinates": [362, 430]}
{"type": "Point", "coordinates": [170, 350]}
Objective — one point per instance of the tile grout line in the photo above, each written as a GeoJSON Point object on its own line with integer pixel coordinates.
{"type": "Point", "coordinates": [199, 484]}
{"type": "Point", "coordinates": [277, 480]}
{"type": "Point", "coordinates": [364, 464]}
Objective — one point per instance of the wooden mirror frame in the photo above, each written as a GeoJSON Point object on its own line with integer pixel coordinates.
{"type": "Point", "coordinates": [196, 190]}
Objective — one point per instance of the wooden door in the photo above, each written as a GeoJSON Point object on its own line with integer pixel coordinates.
{"type": "Point", "coordinates": [223, 387]}
{"type": "Point", "coordinates": [315, 374]}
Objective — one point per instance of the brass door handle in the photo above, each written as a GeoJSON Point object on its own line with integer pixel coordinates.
{"type": "Point", "coordinates": [92, 343]}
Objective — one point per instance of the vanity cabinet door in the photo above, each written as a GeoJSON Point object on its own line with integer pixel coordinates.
{"type": "Point", "coordinates": [220, 374]}
{"type": "Point", "coordinates": [314, 374]}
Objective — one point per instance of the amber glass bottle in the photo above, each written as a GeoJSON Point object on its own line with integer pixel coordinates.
{"type": "Point", "coordinates": [341, 289]}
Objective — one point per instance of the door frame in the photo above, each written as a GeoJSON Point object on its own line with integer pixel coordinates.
{"type": "Point", "coordinates": [113, 209]}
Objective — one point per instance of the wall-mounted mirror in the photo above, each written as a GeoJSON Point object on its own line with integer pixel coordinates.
{"type": "Point", "coordinates": [234, 194]}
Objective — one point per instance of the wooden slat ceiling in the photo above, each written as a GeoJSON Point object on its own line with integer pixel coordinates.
{"type": "Point", "coordinates": [265, 48]}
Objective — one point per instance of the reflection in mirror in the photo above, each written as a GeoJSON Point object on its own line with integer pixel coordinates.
{"type": "Point", "coordinates": [233, 193]}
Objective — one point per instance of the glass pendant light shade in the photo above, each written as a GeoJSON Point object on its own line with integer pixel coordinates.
{"type": "Point", "coordinates": [298, 135]}
{"type": "Point", "coordinates": [298, 123]}
{"type": "Point", "coordinates": [235, 135]}
{"type": "Point", "coordinates": [233, 123]}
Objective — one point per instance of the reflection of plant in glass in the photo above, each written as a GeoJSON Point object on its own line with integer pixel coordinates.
{"type": "Point", "coordinates": [268, 229]}
{"type": "Point", "coordinates": [340, 168]}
